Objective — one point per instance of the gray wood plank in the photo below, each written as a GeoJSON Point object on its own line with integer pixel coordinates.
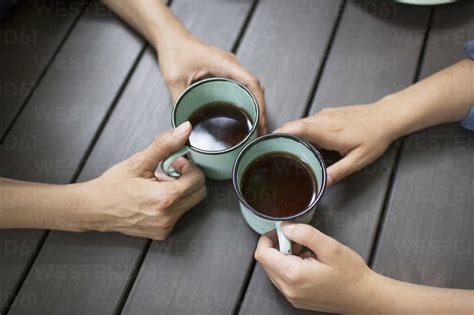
{"type": "Point", "coordinates": [29, 38]}
{"type": "Point", "coordinates": [374, 38]}
{"type": "Point", "coordinates": [285, 47]}
{"type": "Point", "coordinates": [428, 234]}
{"type": "Point", "coordinates": [203, 266]}
{"type": "Point", "coordinates": [63, 116]}
{"type": "Point", "coordinates": [16, 249]}
{"type": "Point", "coordinates": [90, 273]}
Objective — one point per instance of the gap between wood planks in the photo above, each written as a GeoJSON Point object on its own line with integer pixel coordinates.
{"type": "Point", "coordinates": [389, 191]}
{"type": "Point", "coordinates": [42, 74]}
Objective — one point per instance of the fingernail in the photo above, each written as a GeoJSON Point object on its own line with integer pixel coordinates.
{"type": "Point", "coordinates": [182, 129]}
{"type": "Point", "coordinates": [288, 227]}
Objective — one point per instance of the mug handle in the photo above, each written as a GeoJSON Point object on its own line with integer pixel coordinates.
{"type": "Point", "coordinates": [284, 243]}
{"type": "Point", "coordinates": [166, 165]}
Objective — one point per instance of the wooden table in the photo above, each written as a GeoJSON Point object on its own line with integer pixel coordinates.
{"type": "Point", "coordinates": [79, 91]}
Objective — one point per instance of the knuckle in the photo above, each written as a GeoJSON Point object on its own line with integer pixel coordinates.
{"type": "Point", "coordinates": [166, 202]}
{"type": "Point", "coordinates": [252, 81]}
{"type": "Point", "coordinates": [166, 224]}
{"type": "Point", "coordinates": [176, 191]}
{"type": "Point", "coordinates": [156, 212]}
{"type": "Point", "coordinates": [163, 143]}
{"type": "Point", "coordinates": [335, 250]}
{"type": "Point", "coordinates": [198, 179]}
{"type": "Point", "coordinates": [310, 235]}
{"type": "Point", "coordinates": [293, 276]}
{"type": "Point", "coordinates": [231, 56]}
{"type": "Point", "coordinates": [172, 77]}
{"type": "Point", "coordinates": [303, 125]}
{"type": "Point", "coordinates": [296, 304]}
{"type": "Point", "coordinates": [257, 255]}
{"type": "Point", "coordinates": [290, 294]}
{"type": "Point", "coordinates": [160, 236]}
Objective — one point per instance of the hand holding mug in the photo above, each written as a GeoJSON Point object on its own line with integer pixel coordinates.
{"type": "Point", "coordinates": [225, 116]}
{"type": "Point", "coordinates": [129, 197]}
{"type": "Point", "coordinates": [186, 59]}
{"type": "Point", "coordinates": [360, 133]}
{"type": "Point", "coordinates": [278, 177]}
{"type": "Point", "coordinates": [333, 279]}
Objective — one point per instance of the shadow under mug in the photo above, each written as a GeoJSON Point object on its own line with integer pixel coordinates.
{"type": "Point", "coordinates": [262, 223]}
{"type": "Point", "coordinates": [214, 164]}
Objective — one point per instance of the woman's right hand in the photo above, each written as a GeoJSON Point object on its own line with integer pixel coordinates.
{"type": "Point", "coordinates": [360, 133]}
{"type": "Point", "coordinates": [130, 198]}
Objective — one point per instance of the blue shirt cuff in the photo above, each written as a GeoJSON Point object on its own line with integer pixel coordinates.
{"type": "Point", "coordinates": [468, 121]}
{"type": "Point", "coordinates": [469, 46]}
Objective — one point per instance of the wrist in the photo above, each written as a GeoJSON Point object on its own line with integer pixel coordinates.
{"type": "Point", "coordinates": [378, 297]}
{"type": "Point", "coordinates": [84, 206]}
{"type": "Point", "coordinates": [397, 120]}
{"type": "Point", "coordinates": [169, 39]}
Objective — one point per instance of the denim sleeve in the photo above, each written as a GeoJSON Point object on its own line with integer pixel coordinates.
{"type": "Point", "coordinates": [468, 121]}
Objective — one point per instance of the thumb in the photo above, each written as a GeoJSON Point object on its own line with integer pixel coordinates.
{"type": "Point", "coordinates": [349, 164]}
{"type": "Point", "coordinates": [165, 144]}
{"type": "Point", "coordinates": [322, 245]}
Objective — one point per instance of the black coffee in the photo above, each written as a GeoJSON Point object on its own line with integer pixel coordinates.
{"type": "Point", "coordinates": [218, 126]}
{"type": "Point", "coordinates": [279, 185]}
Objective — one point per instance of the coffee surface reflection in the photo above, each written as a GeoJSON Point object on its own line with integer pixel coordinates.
{"type": "Point", "coordinates": [219, 126]}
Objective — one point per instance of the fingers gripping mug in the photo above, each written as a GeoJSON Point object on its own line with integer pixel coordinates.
{"type": "Point", "coordinates": [216, 162]}
{"type": "Point", "coordinates": [278, 177]}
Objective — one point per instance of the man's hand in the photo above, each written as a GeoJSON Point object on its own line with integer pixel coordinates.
{"type": "Point", "coordinates": [186, 59]}
{"type": "Point", "coordinates": [130, 199]}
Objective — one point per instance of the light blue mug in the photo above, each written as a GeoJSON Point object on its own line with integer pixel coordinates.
{"type": "Point", "coordinates": [214, 164]}
{"type": "Point", "coordinates": [262, 223]}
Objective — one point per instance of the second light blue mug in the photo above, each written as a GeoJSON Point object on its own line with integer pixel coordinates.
{"type": "Point", "coordinates": [262, 223]}
{"type": "Point", "coordinates": [214, 164]}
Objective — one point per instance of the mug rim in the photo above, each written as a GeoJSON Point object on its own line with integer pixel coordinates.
{"type": "Point", "coordinates": [309, 146]}
{"type": "Point", "coordinates": [215, 79]}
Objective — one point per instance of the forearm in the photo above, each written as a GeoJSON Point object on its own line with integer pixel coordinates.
{"type": "Point", "coordinates": [441, 98]}
{"type": "Point", "coordinates": [42, 206]}
{"type": "Point", "coordinates": [397, 297]}
{"type": "Point", "coordinates": [151, 18]}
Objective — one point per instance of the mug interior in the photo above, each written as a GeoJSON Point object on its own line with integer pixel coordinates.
{"type": "Point", "coordinates": [212, 90]}
{"type": "Point", "coordinates": [286, 144]}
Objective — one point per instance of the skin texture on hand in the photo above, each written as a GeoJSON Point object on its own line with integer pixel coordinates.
{"type": "Point", "coordinates": [181, 68]}
{"type": "Point", "coordinates": [183, 58]}
{"type": "Point", "coordinates": [333, 278]}
{"type": "Point", "coordinates": [139, 203]}
{"type": "Point", "coordinates": [359, 133]}
{"type": "Point", "coordinates": [128, 198]}
{"type": "Point", "coordinates": [362, 133]}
